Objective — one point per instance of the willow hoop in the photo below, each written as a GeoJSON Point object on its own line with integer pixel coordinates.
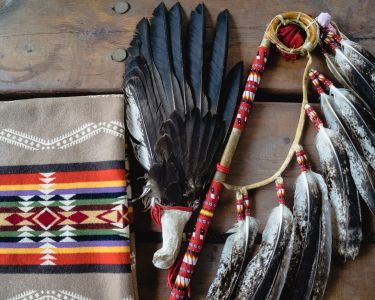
{"type": "Point", "coordinates": [307, 23]}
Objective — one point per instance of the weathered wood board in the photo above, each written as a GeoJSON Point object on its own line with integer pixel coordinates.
{"type": "Point", "coordinates": [64, 47]}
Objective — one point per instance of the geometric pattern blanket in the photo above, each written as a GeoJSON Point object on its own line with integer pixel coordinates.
{"type": "Point", "coordinates": [64, 214]}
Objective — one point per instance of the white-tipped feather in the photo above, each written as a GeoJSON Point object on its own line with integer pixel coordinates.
{"type": "Point", "coordinates": [343, 196]}
{"type": "Point", "coordinates": [236, 249]}
{"type": "Point", "coordinates": [352, 62]}
{"type": "Point", "coordinates": [361, 172]}
{"type": "Point", "coordinates": [358, 120]}
{"type": "Point", "coordinates": [258, 280]}
{"type": "Point", "coordinates": [332, 66]}
{"type": "Point", "coordinates": [310, 261]}
{"type": "Point", "coordinates": [323, 260]}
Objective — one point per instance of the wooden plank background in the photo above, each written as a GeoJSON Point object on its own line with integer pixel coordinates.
{"type": "Point", "coordinates": [64, 47]}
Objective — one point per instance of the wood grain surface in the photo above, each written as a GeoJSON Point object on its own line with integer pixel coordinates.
{"type": "Point", "coordinates": [65, 46]}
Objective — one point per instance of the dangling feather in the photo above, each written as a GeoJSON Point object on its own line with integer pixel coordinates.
{"type": "Point", "coordinates": [282, 271]}
{"type": "Point", "coordinates": [343, 195]}
{"type": "Point", "coordinates": [354, 63]}
{"type": "Point", "coordinates": [332, 66]}
{"type": "Point", "coordinates": [174, 136]}
{"type": "Point", "coordinates": [358, 120]}
{"type": "Point", "coordinates": [358, 70]}
{"type": "Point", "coordinates": [236, 249]}
{"type": "Point", "coordinates": [361, 172]}
{"type": "Point", "coordinates": [311, 238]}
{"type": "Point", "coordinates": [259, 276]}
{"type": "Point", "coordinates": [323, 260]}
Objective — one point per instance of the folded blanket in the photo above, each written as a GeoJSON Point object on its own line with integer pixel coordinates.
{"type": "Point", "coordinates": [64, 217]}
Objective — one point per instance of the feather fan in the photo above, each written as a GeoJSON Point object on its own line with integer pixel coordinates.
{"type": "Point", "coordinates": [312, 237]}
{"type": "Point", "coordinates": [343, 195]}
{"type": "Point", "coordinates": [176, 131]}
{"type": "Point", "coordinates": [259, 279]}
{"type": "Point", "coordinates": [236, 249]}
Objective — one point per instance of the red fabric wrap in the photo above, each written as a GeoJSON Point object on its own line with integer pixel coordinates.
{"type": "Point", "coordinates": [157, 210]}
{"type": "Point", "coordinates": [291, 36]}
{"type": "Point", "coordinates": [222, 169]}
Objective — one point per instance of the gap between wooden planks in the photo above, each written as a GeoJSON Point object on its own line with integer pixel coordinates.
{"type": "Point", "coordinates": [263, 146]}
{"type": "Point", "coordinates": [65, 46]}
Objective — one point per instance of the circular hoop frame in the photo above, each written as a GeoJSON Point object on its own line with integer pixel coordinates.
{"type": "Point", "coordinates": [307, 23]}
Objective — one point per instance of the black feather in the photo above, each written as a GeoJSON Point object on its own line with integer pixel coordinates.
{"type": "Point", "coordinates": [160, 44]}
{"type": "Point", "coordinates": [175, 22]}
{"type": "Point", "coordinates": [232, 96]}
{"type": "Point", "coordinates": [217, 65]}
{"type": "Point", "coordinates": [195, 56]}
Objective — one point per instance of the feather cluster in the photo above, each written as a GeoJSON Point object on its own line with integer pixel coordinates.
{"type": "Point", "coordinates": [236, 249]}
{"type": "Point", "coordinates": [354, 123]}
{"type": "Point", "coordinates": [343, 195]}
{"type": "Point", "coordinates": [352, 65]}
{"type": "Point", "coordinates": [264, 276]}
{"type": "Point", "coordinates": [179, 104]}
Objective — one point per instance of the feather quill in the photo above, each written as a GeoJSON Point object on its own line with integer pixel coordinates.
{"type": "Point", "coordinates": [236, 249]}
{"type": "Point", "coordinates": [258, 281]}
{"type": "Point", "coordinates": [343, 195]}
{"type": "Point", "coordinates": [310, 194]}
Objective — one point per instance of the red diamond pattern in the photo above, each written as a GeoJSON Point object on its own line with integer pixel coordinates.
{"type": "Point", "coordinates": [14, 219]}
{"type": "Point", "coordinates": [46, 218]}
{"type": "Point", "coordinates": [78, 217]}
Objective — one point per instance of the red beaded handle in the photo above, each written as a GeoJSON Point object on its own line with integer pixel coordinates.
{"type": "Point", "coordinates": [212, 197]}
